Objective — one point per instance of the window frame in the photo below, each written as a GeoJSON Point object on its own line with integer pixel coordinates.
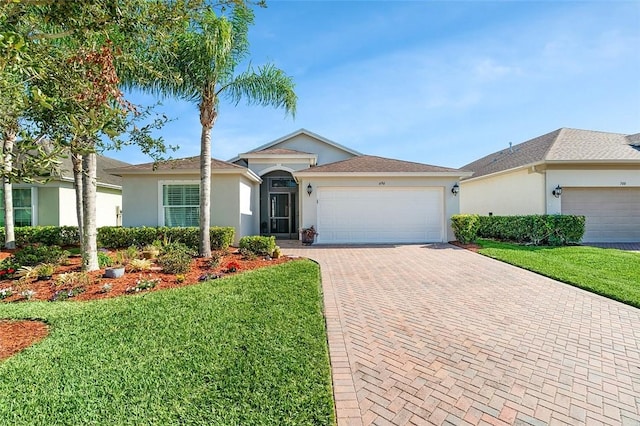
{"type": "Point", "coordinates": [161, 206]}
{"type": "Point", "coordinates": [33, 205]}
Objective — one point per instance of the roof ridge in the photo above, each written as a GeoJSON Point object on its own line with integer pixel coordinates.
{"type": "Point", "coordinates": [560, 131]}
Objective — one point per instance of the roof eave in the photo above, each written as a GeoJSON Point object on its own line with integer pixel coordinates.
{"type": "Point", "coordinates": [239, 171]}
{"type": "Point", "coordinates": [102, 184]}
{"type": "Point", "coordinates": [459, 174]}
{"type": "Point", "coordinates": [507, 171]}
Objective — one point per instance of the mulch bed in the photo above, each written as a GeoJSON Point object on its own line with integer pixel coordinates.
{"type": "Point", "coordinates": [471, 246]}
{"type": "Point", "coordinates": [17, 335]}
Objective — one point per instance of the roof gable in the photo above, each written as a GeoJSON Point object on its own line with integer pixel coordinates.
{"type": "Point", "coordinates": [301, 143]}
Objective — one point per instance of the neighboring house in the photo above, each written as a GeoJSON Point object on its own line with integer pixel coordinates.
{"type": "Point", "coordinates": [298, 181]}
{"type": "Point", "coordinates": [568, 171]}
{"type": "Point", "coordinates": [54, 203]}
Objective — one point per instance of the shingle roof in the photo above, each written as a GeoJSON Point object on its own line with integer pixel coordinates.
{"type": "Point", "coordinates": [189, 163]}
{"type": "Point", "coordinates": [65, 169]}
{"type": "Point", "coordinates": [373, 164]}
{"type": "Point", "coordinates": [564, 145]}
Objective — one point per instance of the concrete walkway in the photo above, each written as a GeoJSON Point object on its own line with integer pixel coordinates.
{"type": "Point", "coordinates": [439, 335]}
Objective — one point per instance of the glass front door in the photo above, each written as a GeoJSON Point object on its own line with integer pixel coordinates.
{"type": "Point", "coordinates": [280, 214]}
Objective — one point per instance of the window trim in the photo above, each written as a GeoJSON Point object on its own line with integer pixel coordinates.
{"type": "Point", "coordinates": [33, 205]}
{"type": "Point", "coordinates": [161, 184]}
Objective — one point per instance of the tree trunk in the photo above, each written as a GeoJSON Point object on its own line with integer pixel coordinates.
{"type": "Point", "coordinates": [89, 232]}
{"type": "Point", "coordinates": [7, 188]}
{"type": "Point", "coordinates": [76, 160]}
{"type": "Point", "coordinates": [205, 192]}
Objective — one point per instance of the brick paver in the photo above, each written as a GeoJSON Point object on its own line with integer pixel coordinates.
{"type": "Point", "coordinates": [433, 334]}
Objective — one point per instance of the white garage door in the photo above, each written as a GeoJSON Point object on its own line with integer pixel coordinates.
{"type": "Point", "coordinates": [380, 215]}
{"type": "Point", "coordinates": [612, 214]}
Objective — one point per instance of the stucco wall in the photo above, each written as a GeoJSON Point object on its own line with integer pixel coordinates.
{"type": "Point", "coordinates": [142, 201]}
{"type": "Point", "coordinates": [304, 143]}
{"type": "Point", "coordinates": [308, 215]}
{"type": "Point", "coordinates": [593, 177]}
{"type": "Point", "coordinates": [518, 192]}
{"type": "Point", "coordinates": [49, 206]}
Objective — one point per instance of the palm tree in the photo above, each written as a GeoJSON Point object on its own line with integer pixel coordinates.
{"type": "Point", "coordinates": [198, 64]}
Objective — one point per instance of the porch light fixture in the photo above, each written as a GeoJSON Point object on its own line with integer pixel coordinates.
{"type": "Point", "coordinates": [557, 192]}
{"type": "Point", "coordinates": [309, 190]}
{"type": "Point", "coordinates": [455, 189]}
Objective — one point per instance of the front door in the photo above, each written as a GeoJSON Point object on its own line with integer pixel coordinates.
{"type": "Point", "coordinates": [280, 214]}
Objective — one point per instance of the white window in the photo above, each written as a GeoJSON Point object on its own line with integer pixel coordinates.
{"type": "Point", "coordinates": [180, 204]}
{"type": "Point", "coordinates": [22, 207]}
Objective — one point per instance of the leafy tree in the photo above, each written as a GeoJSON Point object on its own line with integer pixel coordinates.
{"type": "Point", "coordinates": [197, 63]}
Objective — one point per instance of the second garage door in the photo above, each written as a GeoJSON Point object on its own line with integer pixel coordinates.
{"type": "Point", "coordinates": [380, 215]}
{"type": "Point", "coordinates": [612, 214]}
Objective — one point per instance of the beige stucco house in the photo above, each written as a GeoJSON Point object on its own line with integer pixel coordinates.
{"type": "Point", "coordinates": [54, 203]}
{"type": "Point", "coordinates": [568, 171]}
{"type": "Point", "coordinates": [298, 181]}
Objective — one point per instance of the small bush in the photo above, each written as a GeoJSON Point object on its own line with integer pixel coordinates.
{"type": "Point", "coordinates": [35, 254]}
{"type": "Point", "coordinates": [258, 245]}
{"type": "Point", "coordinates": [104, 260]}
{"type": "Point", "coordinates": [175, 262]}
{"type": "Point", "coordinates": [44, 270]}
{"type": "Point", "coordinates": [136, 265]}
{"type": "Point", "coordinates": [465, 227]}
{"type": "Point", "coordinates": [216, 258]}
{"type": "Point", "coordinates": [73, 279]}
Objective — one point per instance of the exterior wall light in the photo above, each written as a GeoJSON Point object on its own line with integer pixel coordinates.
{"type": "Point", "coordinates": [309, 190]}
{"type": "Point", "coordinates": [557, 192]}
{"type": "Point", "coordinates": [455, 189]}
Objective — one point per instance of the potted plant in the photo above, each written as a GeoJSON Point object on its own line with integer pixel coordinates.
{"type": "Point", "coordinates": [117, 269]}
{"type": "Point", "coordinates": [308, 235]}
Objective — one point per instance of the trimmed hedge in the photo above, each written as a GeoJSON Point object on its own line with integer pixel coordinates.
{"type": "Point", "coordinates": [62, 236]}
{"type": "Point", "coordinates": [258, 244]}
{"type": "Point", "coordinates": [532, 229]}
{"type": "Point", "coordinates": [119, 237]}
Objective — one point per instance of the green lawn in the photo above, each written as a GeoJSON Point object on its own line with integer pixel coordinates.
{"type": "Point", "coordinates": [611, 273]}
{"type": "Point", "coordinates": [245, 350]}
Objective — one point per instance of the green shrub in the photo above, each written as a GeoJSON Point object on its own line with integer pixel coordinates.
{"type": "Point", "coordinates": [64, 236]}
{"type": "Point", "coordinates": [35, 254]}
{"type": "Point", "coordinates": [465, 227]}
{"type": "Point", "coordinates": [175, 262]}
{"type": "Point", "coordinates": [104, 260]}
{"type": "Point", "coordinates": [258, 245]}
{"type": "Point", "coordinates": [533, 229]}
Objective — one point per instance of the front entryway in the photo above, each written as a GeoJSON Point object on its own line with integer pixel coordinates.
{"type": "Point", "coordinates": [278, 205]}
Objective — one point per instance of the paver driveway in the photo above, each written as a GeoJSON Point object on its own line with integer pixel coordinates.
{"type": "Point", "coordinates": [435, 334]}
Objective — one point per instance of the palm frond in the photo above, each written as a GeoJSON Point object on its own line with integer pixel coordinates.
{"type": "Point", "coordinates": [266, 86]}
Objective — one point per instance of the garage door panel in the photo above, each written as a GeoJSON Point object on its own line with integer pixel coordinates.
{"type": "Point", "coordinates": [379, 215]}
{"type": "Point", "coordinates": [612, 214]}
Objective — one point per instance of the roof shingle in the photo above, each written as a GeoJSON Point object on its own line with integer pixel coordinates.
{"type": "Point", "coordinates": [564, 145]}
{"type": "Point", "coordinates": [186, 164]}
{"type": "Point", "coordinates": [373, 164]}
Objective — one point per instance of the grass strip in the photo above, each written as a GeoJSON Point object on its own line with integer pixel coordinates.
{"type": "Point", "coordinates": [609, 272]}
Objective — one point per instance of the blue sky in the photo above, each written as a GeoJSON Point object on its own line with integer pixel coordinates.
{"type": "Point", "coordinates": [435, 82]}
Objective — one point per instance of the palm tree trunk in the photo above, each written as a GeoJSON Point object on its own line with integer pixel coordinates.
{"type": "Point", "coordinates": [76, 160]}
{"type": "Point", "coordinates": [205, 191]}
{"type": "Point", "coordinates": [7, 188]}
{"type": "Point", "coordinates": [90, 232]}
